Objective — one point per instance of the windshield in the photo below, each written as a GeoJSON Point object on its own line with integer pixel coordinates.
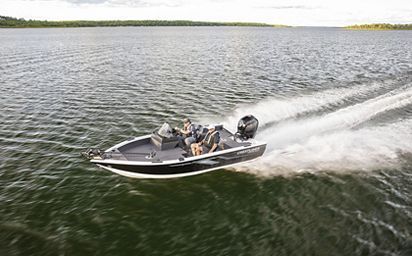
{"type": "Point", "coordinates": [165, 131]}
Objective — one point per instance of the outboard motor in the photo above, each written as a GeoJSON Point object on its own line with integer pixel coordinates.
{"type": "Point", "coordinates": [247, 127]}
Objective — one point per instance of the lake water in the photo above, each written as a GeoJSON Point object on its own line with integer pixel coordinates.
{"type": "Point", "coordinates": [335, 107]}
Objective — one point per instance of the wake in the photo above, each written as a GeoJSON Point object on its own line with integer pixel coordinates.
{"type": "Point", "coordinates": [333, 130]}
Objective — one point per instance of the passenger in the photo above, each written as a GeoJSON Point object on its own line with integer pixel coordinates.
{"type": "Point", "coordinates": [209, 144]}
{"type": "Point", "coordinates": [187, 135]}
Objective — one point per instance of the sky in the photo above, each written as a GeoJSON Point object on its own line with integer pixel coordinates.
{"type": "Point", "coordinates": [287, 12]}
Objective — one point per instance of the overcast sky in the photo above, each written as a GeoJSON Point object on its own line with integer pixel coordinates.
{"type": "Point", "coordinates": [289, 12]}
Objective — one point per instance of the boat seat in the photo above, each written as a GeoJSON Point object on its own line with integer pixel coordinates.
{"type": "Point", "coordinates": [202, 133]}
{"type": "Point", "coordinates": [163, 143]}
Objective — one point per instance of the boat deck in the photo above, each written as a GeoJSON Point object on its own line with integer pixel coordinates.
{"type": "Point", "coordinates": [141, 149]}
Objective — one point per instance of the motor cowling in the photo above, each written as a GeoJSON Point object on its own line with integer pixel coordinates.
{"type": "Point", "coordinates": [247, 127]}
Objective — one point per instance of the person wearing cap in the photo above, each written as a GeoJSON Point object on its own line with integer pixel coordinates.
{"type": "Point", "coordinates": [209, 144]}
{"type": "Point", "coordinates": [187, 135]}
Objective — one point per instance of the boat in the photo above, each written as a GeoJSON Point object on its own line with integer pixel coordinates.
{"type": "Point", "coordinates": [158, 155]}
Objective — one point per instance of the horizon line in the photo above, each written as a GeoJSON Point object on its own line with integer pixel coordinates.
{"type": "Point", "coordinates": [4, 17]}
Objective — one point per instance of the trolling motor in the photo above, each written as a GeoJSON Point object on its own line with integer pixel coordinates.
{"type": "Point", "coordinates": [93, 153]}
{"type": "Point", "coordinates": [247, 127]}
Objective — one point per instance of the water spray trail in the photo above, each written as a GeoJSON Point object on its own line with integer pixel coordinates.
{"type": "Point", "coordinates": [334, 141]}
{"type": "Point", "coordinates": [365, 149]}
{"type": "Point", "coordinates": [346, 118]}
{"type": "Point", "coordinates": [274, 110]}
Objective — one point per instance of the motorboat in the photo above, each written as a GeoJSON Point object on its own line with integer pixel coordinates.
{"type": "Point", "coordinates": [159, 155]}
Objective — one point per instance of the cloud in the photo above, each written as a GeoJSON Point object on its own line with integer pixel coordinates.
{"type": "Point", "coordinates": [126, 3]}
{"type": "Point", "coordinates": [87, 1]}
{"type": "Point", "coordinates": [288, 7]}
{"type": "Point", "coordinates": [290, 12]}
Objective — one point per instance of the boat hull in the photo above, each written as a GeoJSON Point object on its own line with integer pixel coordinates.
{"type": "Point", "coordinates": [187, 167]}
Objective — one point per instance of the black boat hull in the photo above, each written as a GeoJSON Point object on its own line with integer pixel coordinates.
{"type": "Point", "coordinates": [188, 166]}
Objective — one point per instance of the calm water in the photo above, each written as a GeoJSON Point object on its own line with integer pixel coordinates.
{"type": "Point", "coordinates": [335, 107]}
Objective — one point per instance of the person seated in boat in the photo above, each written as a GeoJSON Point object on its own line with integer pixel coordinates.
{"type": "Point", "coordinates": [187, 135]}
{"type": "Point", "coordinates": [209, 144]}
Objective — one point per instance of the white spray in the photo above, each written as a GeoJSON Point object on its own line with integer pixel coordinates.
{"type": "Point", "coordinates": [331, 141]}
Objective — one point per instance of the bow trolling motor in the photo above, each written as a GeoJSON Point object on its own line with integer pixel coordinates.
{"type": "Point", "coordinates": [93, 153]}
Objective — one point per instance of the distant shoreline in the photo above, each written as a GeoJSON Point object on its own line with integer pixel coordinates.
{"type": "Point", "coordinates": [380, 26]}
{"type": "Point", "coordinates": [10, 22]}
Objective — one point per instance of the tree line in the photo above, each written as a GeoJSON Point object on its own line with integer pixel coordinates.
{"type": "Point", "coordinates": [11, 22]}
{"type": "Point", "coordinates": [381, 26]}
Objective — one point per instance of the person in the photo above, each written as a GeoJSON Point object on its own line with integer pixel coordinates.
{"type": "Point", "coordinates": [187, 135]}
{"type": "Point", "coordinates": [209, 144]}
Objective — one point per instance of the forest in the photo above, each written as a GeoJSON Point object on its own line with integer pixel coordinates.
{"type": "Point", "coordinates": [10, 22]}
{"type": "Point", "coordinates": [381, 26]}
